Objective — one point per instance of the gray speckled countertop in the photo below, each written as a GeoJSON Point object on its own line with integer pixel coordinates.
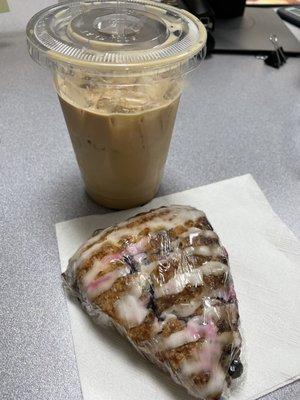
{"type": "Point", "coordinates": [236, 116]}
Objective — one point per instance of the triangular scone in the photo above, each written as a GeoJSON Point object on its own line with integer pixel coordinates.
{"type": "Point", "coordinates": [162, 278]}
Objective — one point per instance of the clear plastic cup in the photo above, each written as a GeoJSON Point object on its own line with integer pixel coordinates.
{"type": "Point", "coordinates": [118, 68]}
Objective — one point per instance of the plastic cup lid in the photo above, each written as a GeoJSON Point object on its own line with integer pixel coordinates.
{"type": "Point", "coordinates": [115, 34]}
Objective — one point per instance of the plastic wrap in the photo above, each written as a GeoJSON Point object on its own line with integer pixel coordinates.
{"type": "Point", "coordinates": [162, 279]}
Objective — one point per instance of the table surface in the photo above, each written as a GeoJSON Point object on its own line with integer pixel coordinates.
{"type": "Point", "coordinates": [237, 116]}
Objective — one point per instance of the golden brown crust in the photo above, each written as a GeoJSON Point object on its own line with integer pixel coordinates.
{"type": "Point", "coordinates": [172, 326]}
{"type": "Point", "coordinates": [177, 231]}
{"type": "Point", "coordinates": [201, 379]}
{"type": "Point", "coordinates": [187, 295]}
{"type": "Point", "coordinates": [143, 332]}
{"type": "Point", "coordinates": [214, 281]}
{"type": "Point", "coordinates": [106, 301]}
{"type": "Point", "coordinates": [147, 216]}
{"type": "Point", "coordinates": [164, 271]}
{"type": "Point", "coordinates": [106, 249]}
{"type": "Point", "coordinates": [176, 356]}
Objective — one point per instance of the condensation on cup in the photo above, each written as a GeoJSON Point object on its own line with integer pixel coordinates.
{"type": "Point", "coordinates": [118, 69]}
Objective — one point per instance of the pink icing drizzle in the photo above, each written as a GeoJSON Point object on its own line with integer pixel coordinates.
{"type": "Point", "coordinates": [210, 351]}
{"type": "Point", "coordinates": [197, 331]}
{"type": "Point", "coordinates": [112, 257]}
{"type": "Point", "coordinates": [94, 285]}
{"type": "Point", "coordinates": [207, 357]}
{"type": "Point", "coordinates": [136, 248]}
{"type": "Point", "coordinates": [132, 249]}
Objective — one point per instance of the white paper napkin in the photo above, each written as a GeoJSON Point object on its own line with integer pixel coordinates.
{"type": "Point", "coordinates": [265, 262]}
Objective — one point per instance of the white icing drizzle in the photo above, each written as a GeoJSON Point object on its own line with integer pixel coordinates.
{"type": "Point", "coordinates": [210, 234]}
{"type": "Point", "coordinates": [179, 215]}
{"type": "Point", "coordinates": [214, 268]}
{"type": "Point", "coordinates": [206, 251]}
{"type": "Point", "coordinates": [205, 358]}
{"type": "Point", "coordinates": [194, 277]}
{"type": "Point", "coordinates": [183, 309]}
{"type": "Point", "coordinates": [210, 311]}
{"type": "Point", "coordinates": [130, 308]}
{"type": "Point", "coordinates": [213, 251]}
{"type": "Point", "coordinates": [138, 284]}
{"type": "Point", "coordinates": [178, 283]}
{"type": "Point", "coordinates": [178, 339]}
{"type": "Point", "coordinates": [158, 327]}
{"type": "Point", "coordinates": [215, 384]}
{"type": "Point", "coordinates": [191, 233]}
{"type": "Point", "coordinates": [105, 282]}
{"type": "Point", "coordinates": [190, 367]}
{"type": "Point", "coordinates": [194, 331]}
{"type": "Point", "coordinates": [194, 232]}
{"type": "Point", "coordinates": [85, 254]}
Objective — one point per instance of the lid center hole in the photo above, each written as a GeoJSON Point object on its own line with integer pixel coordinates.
{"type": "Point", "coordinates": [118, 25]}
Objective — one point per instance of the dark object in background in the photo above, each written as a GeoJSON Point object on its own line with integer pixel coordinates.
{"type": "Point", "coordinates": [228, 8]}
{"type": "Point", "coordinates": [205, 13]}
{"type": "Point", "coordinates": [175, 3]}
{"type": "Point", "coordinates": [250, 34]}
{"type": "Point", "coordinates": [290, 14]}
{"type": "Point", "coordinates": [277, 57]}
{"type": "Point", "coordinates": [208, 10]}
{"type": "Point", "coordinates": [201, 9]}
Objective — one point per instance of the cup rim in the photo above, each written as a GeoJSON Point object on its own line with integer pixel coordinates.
{"type": "Point", "coordinates": [47, 56]}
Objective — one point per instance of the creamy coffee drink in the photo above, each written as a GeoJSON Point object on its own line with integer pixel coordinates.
{"type": "Point", "coordinates": [120, 133]}
{"type": "Point", "coordinates": [118, 68]}
{"type": "Point", "coordinates": [121, 155]}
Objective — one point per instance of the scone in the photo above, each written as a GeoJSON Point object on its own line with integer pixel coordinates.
{"type": "Point", "coordinates": [162, 278]}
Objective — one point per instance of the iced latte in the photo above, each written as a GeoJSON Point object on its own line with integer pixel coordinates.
{"type": "Point", "coordinates": [118, 69]}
